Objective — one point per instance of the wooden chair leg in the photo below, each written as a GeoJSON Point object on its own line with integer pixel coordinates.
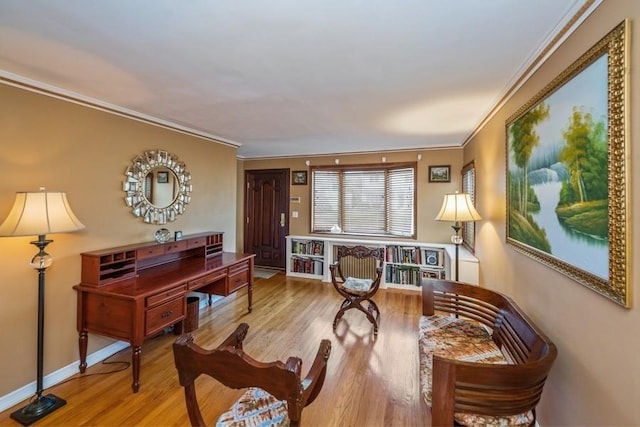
{"type": "Point", "coordinates": [346, 305]}
{"type": "Point", "coordinates": [374, 318]}
{"type": "Point", "coordinates": [374, 307]}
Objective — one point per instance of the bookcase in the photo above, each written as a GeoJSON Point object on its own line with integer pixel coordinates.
{"type": "Point", "coordinates": [404, 265]}
{"type": "Point", "coordinates": [306, 257]}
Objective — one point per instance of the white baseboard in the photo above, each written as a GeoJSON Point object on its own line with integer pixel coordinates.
{"type": "Point", "coordinates": [17, 396]}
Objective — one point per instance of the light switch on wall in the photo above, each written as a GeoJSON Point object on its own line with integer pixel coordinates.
{"type": "Point", "coordinates": [294, 214]}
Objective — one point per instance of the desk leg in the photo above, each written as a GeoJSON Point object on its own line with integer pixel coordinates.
{"type": "Point", "coordinates": [135, 367]}
{"type": "Point", "coordinates": [83, 339]}
{"type": "Point", "coordinates": [250, 296]}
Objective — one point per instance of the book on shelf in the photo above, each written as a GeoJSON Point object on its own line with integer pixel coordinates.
{"type": "Point", "coordinates": [307, 247]}
{"type": "Point", "coordinates": [307, 265]}
{"type": "Point", "coordinates": [415, 255]}
{"type": "Point", "coordinates": [431, 273]}
{"type": "Point", "coordinates": [402, 274]}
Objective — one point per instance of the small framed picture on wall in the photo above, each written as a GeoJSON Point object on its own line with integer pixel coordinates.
{"type": "Point", "coordinates": [163, 177]}
{"type": "Point", "coordinates": [440, 173]}
{"type": "Point", "coordinates": [299, 177]}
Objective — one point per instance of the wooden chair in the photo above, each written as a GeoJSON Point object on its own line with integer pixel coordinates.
{"type": "Point", "coordinates": [356, 276]}
{"type": "Point", "coordinates": [276, 391]}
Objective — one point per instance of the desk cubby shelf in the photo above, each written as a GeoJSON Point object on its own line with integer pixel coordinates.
{"type": "Point", "coordinates": [103, 267]}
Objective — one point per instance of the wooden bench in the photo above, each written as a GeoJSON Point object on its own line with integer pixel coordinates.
{"type": "Point", "coordinates": [482, 360]}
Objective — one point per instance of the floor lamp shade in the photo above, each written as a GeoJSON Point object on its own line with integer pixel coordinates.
{"type": "Point", "coordinates": [457, 207]}
{"type": "Point", "coordinates": [39, 213]}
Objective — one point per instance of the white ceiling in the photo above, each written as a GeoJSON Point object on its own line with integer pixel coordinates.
{"type": "Point", "coordinates": [285, 77]}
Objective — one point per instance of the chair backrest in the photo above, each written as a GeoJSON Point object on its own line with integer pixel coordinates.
{"type": "Point", "coordinates": [358, 261]}
{"type": "Point", "coordinates": [230, 365]}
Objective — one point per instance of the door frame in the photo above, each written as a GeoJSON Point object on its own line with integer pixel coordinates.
{"type": "Point", "coordinates": [287, 203]}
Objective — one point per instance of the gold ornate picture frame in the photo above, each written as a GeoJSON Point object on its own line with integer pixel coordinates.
{"type": "Point", "coordinates": [567, 171]}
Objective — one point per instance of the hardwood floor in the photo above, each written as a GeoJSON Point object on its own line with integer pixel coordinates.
{"type": "Point", "coordinates": [370, 382]}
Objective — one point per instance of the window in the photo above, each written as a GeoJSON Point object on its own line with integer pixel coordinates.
{"type": "Point", "coordinates": [372, 200]}
{"type": "Point", "coordinates": [469, 186]}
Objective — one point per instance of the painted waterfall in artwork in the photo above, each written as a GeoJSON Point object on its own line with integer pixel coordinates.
{"type": "Point", "coordinates": [558, 173]}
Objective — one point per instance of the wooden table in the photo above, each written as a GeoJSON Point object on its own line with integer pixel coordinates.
{"type": "Point", "coordinates": [142, 304]}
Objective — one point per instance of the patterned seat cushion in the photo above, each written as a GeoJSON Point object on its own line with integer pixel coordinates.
{"type": "Point", "coordinates": [357, 286]}
{"type": "Point", "coordinates": [463, 340]}
{"type": "Point", "coordinates": [255, 408]}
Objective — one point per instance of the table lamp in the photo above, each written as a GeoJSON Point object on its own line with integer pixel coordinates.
{"type": "Point", "coordinates": [39, 213]}
{"type": "Point", "coordinates": [457, 207]}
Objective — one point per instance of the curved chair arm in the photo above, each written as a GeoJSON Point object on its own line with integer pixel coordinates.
{"type": "Point", "coordinates": [236, 338]}
{"type": "Point", "coordinates": [313, 381]}
{"type": "Point", "coordinates": [335, 268]}
{"type": "Point", "coordinates": [376, 283]}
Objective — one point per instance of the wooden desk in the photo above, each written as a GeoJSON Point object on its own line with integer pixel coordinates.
{"type": "Point", "coordinates": [133, 292]}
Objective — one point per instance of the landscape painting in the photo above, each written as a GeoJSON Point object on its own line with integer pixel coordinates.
{"type": "Point", "coordinates": [559, 160]}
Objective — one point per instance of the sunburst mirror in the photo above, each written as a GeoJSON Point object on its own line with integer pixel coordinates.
{"type": "Point", "coordinates": [157, 186]}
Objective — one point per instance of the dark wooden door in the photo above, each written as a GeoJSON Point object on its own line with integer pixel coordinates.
{"type": "Point", "coordinates": [266, 210]}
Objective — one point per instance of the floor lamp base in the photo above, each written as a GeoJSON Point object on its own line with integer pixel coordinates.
{"type": "Point", "coordinates": [39, 408]}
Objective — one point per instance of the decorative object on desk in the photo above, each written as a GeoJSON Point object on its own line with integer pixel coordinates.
{"type": "Point", "coordinates": [177, 235]}
{"type": "Point", "coordinates": [162, 235]}
{"type": "Point", "coordinates": [567, 174]}
{"type": "Point", "coordinates": [299, 177]}
{"type": "Point", "coordinates": [458, 208]}
{"type": "Point", "coordinates": [40, 213]}
{"type": "Point", "coordinates": [157, 204]}
{"type": "Point", "coordinates": [440, 173]}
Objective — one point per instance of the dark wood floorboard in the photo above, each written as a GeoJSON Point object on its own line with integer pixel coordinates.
{"type": "Point", "coordinates": [370, 381]}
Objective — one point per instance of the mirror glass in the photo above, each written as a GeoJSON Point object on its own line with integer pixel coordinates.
{"type": "Point", "coordinates": [157, 186]}
{"type": "Point", "coordinates": [160, 187]}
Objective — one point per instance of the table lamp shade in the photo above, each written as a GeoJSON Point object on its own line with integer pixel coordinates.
{"type": "Point", "coordinates": [39, 213]}
{"type": "Point", "coordinates": [459, 208]}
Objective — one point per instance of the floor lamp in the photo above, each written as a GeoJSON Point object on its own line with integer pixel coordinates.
{"type": "Point", "coordinates": [458, 208]}
{"type": "Point", "coordinates": [39, 213]}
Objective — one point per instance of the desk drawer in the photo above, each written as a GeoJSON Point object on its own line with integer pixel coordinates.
{"type": "Point", "coordinates": [109, 316]}
{"type": "Point", "coordinates": [149, 251]}
{"type": "Point", "coordinates": [175, 246]}
{"type": "Point", "coordinates": [156, 299]}
{"type": "Point", "coordinates": [207, 279]}
{"type": "Point", "coordinates": [238, 268]}
{"type": "Point", "coordinates": [164, 315]}
{"type": "Point", "coordinates": [196, 242]}
{"type": "Point", "coordinates": [237, 280]}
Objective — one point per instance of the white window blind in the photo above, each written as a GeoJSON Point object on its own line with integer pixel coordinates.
{"type": "Point", "coordinates": [469, 186]}
{"type": "Point", "coordinates": [365, 200]}
{"type": "Point", "coordinates": [326, 199]}
{"type": "Point", "coordinates": [401, 206]}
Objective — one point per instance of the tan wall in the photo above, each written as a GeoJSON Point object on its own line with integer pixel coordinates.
{"type": "Point", "coordinates": [84, 152]}
{"type": "Point", "coordinates": [596, 378]}
{"type": "Point", "coordinates": [430, 195]}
